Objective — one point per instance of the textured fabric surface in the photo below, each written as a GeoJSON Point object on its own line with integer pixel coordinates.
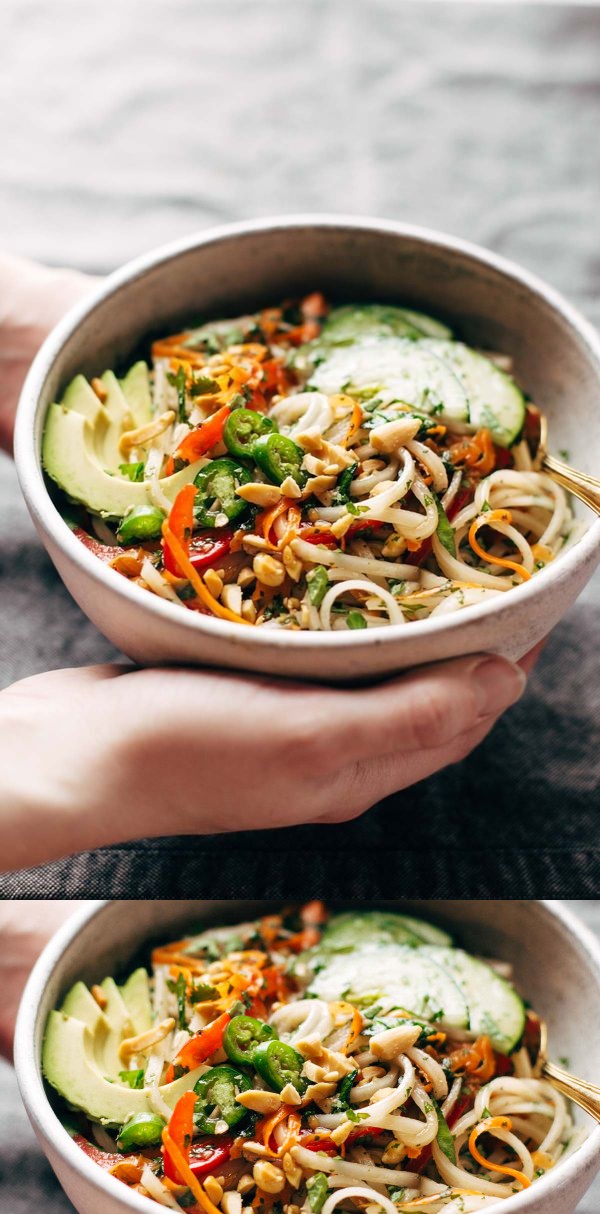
{"type": "Point", "coordinates": [144, 121]}
{"type": "Point", "coordinates": [27, 1183]}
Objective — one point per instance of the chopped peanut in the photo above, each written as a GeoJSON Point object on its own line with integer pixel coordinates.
{"type": "Point", "coordinates": [143, 434]}
{"type": "Point", "coordinates": [100, 389]}
{"type": "Point", "coordinates": [290, 488]}
{"type": "Point", "coordinates": [214, 582]}
{"type": "Point", "coordinates": [248, 611]}
{"type": "Point", "coordinates": [260, 494]}
{"type": "Point", "coordinates": [213, 1189]}
{"type": "Point", "coordinates": [268, 1178]}
{"type": "Point", "coordinates": [99, 996]}
{"type": "Point", "coordinates": [392, 435]}
{"type": "Point", "coordinates": [268, 571]}
{"type": "Point", "coordinates": [292, 563]}
{"type": "Point", "coordinates": [231, 1203]}
{"type": "Point", "coordinates": [392, 1042]}
{"type": "Point", "coordinates": [292, 1170]}
{"type": "Point", "coordinates": [245, 577]}
{"type": "Point", "coordinates": [231, 597]}
{"type": "Point", "coordinates": [259, 1101]}
{"type": "Point", "coordinates": [145, 1041]}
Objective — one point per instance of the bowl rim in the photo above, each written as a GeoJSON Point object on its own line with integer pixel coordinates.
{"type": "Point", "coordinates": [52, 524]}
{"type": "Point", "coordinates": [50, 1129]}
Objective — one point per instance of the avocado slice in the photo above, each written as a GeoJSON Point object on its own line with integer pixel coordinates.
{"type": "Point", "coordinates": [70, 458]}
{"type": "Point", "coordinates": [136, 390]}
{"type": "Point", "coordinates": [136, 997]}
{"type": "Point", "coordinates": [69, 1065]}
{"type": "Point", "coordinates": [80, 396]}
{"type": "Point", "coordinates": [80, 1003]}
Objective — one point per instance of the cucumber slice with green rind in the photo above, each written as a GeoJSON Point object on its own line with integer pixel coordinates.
{"type": "Point", "coordinates": [393, 975]}
{"type": "Point", "coordinates": [403, 370]}
{"type": "Point", "coordinates": [495, 1008]}
{"type": "Point", "coordinates": [494, 399]}
{"type": "Point", "coordinates": [351, 928]}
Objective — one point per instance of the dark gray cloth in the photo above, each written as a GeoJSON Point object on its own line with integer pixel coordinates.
{"type": "Point", "coordinates": [147, 120]}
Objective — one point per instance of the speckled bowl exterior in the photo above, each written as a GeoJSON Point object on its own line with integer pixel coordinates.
{"type": "Point", "coordinates": [491, 302]}
{"type": "Point", "coordinates": [556, 965]}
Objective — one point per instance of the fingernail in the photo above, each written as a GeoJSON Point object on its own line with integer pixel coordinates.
{"type": "Point", "coordinates": [498, 683]}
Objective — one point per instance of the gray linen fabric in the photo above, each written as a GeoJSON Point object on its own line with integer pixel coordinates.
{"type": "Point", "coordinates": [27, 1184]}
{"type": "Point", "coordinates": [138, 122]}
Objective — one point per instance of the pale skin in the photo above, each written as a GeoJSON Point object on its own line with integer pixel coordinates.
{"type": "Point", "coordinates": [187, 751]}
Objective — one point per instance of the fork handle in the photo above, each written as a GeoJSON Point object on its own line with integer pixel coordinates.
{"type": "Point", "coordinates": [585, 1094]}
{"type": "Point", "coordinates": [586, 488]}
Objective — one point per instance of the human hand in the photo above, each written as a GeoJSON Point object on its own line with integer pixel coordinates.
{"type": "Point", "coordinates": [104, 754]}
{"type": "Point", "coordinates": [32, 299]}
{"type": "Point", "coordinates": [25, 927]}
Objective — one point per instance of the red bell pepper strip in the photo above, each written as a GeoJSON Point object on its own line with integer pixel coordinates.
{"type": "Point", "coordinates": [204, 1156]}
{"type": "Point", "coordinates": [329, 1147]}
{"type": "Point", "coordinates": [181, 1129]}
{"type": "Point", "coordinates": [204, 550]}
{"type": "Point", "coordinates": [200, 440]}
{"type": "Point", "coordinates": [200, 1046]}
{"type": "Point", "coordinates": [328, 538]}
{"type": "Point", "coordinates": [181, 522]}
{"type": "Point", "coordinates": [104, 552]}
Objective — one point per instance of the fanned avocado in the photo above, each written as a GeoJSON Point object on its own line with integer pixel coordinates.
{"type": "Point", "coordinates": [70, 458]}
{"type": "Point", "coordinates": [136, 390]}
{"type": "Point", "coordinates": [121, 1026]}
{"type": "Point", "coordinates": [136, 997]}
{"type": "Point", "coordinates": [71, 1067]}
{"type": "Point", "coordinates": [80, 1003]}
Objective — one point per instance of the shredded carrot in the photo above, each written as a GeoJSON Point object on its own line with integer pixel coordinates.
{"type": "Point", "coordinates": [266, 518]}
{"type": "Point", "coordinates": [498, 516]}
{"type": "Point", "coordinates": [293, 1132]}
{"type": "Point", "coordinates": [476, 1059]}
{"type": "Point", "coordinates": [184, 1170]}
{"type": "Point", "coordinates": [477, 452]}
{"type": "Point", "coordinates": [200, 1046]}
{"type": "Point", "coordinates": [181, 517]}
{"type": "Point", "coordinates": [265, 1127]}
{"type": "Point", "coordinates": [181, 1124]}
{"type": "Point", "coordinates": [494, 1123]}
{"type": "Point", "coordinates": [195, 580]}
{"type": "Point", "coordinates": [294, 519]}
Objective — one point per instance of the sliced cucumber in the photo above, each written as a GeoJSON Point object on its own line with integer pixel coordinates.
{"type": "Point", "coordinates": [393, 975]}
{"type": "Point", "coordinates": [352, 322]}
{"type": "Point", "coordinates": [494, 1006]}
{"type": "Point", "coordinates": [428, 325]}
{"type": "Point", "coordinates": [344, 932]}
{"type": "Point", "coordinates": [494, 399]}
{"type": "Point", "coordinates": [407, 371]}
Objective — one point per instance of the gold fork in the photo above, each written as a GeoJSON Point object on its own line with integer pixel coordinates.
{"type": "Point", "coordinates": [582, 1093]}
{"type": "Point", "coordinates": [586, 488]}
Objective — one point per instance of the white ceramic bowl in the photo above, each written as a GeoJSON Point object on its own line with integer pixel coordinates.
{"type": "Point", "coordinates": [556, 963]}
{"type": "Point", "coordinates": [491, 302]}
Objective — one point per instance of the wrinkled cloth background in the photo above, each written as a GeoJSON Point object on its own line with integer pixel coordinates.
{"type": "Point", "coordinates": [27, 1184]}
{"type": "Point", "coordinates": [128, 124]}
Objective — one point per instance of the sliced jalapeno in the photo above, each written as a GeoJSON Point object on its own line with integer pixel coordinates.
{"type": "Point", "coordinates": [141, 1130]}
{"type": "Point", "coordinates": [242, 429]}
{"type": "Point", "coordinates": [141, 523]}
{"type": "Point", "coordinates": [217, 1090]}
{"type": "Point", "coordinates": [216, 499]}
{"type": "Point", "coordinates": [278, 457]}
{"type": "Point", "coordinates": [279, 1064]}
{"type": "Point", "coordinates": [242, 1035]}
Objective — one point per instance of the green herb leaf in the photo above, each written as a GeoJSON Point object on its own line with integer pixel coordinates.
{"type": "Point", "coordinates": [356, 619]}
{"type": "Point", "coordinates": [135, 1079]}
{"type": "Point", "coordinates": [444, 529]}
{"type": "Point", "coordinates": [177, 380]}
{"type": "Point", "coordinates": [444, 1134]}
{"type": "Point", "coordinates": [178, 988]}
{"type": "Point", "coordinates": [317, 1190]}
{"type": "Point", "coordinates": [342, 490]}
{"type": "Point", "coordinates": [317, 581]}
{"type": "Point", "coordinates": [135, 472]}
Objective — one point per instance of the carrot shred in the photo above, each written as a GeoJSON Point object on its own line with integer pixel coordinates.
{"type": "Point", "coordinates": [181, 1124]}
{"type": "Point", "coordinates": [195, 580]}
{"type": "Point", "coordinates": [184, 1170]}
{"type": "Point", "coordinates": [266, 518]}
{"type": "Point", "coordinates": [494, 1123]}
{"type": "Point", "coordinates": [500, 516]}
{"type": "Point", "coordinates": [265, 1128]}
